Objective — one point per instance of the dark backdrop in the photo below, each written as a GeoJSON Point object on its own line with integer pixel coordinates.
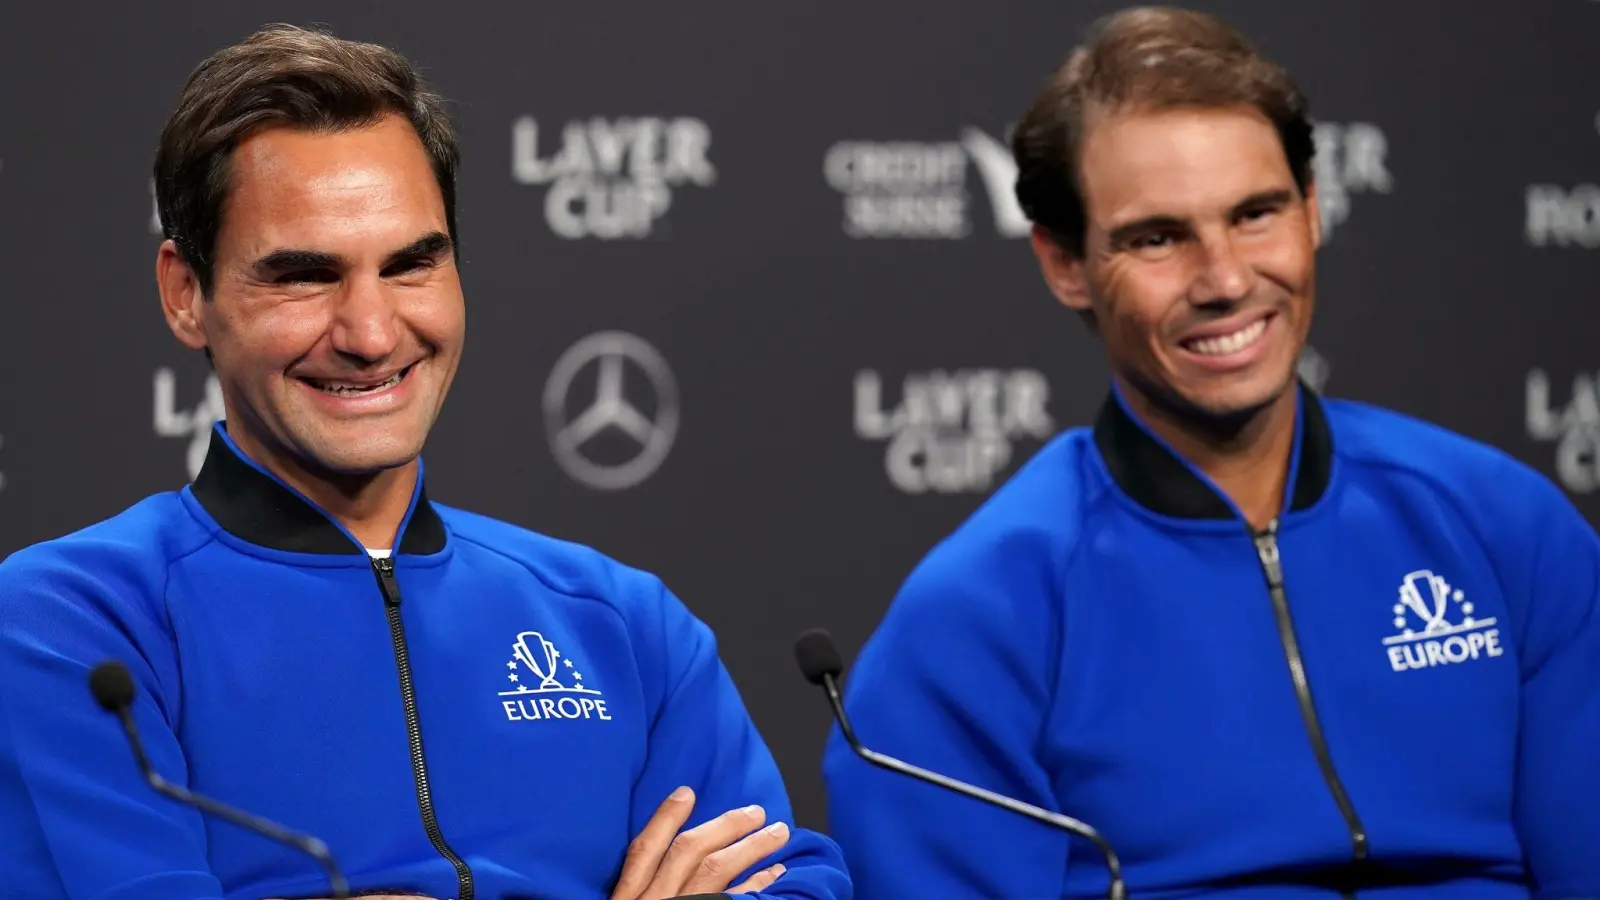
{"type": "Point", "coordinates": [788, 226]}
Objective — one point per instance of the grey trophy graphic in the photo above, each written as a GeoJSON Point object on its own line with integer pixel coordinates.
{"type": "Point", "coordinates": [613, 354]}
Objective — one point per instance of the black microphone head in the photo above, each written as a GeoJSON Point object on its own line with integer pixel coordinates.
{"type": "Point", "coordinates": [817, 655]}
{"type": "Point", "coordinates": [112, 686]}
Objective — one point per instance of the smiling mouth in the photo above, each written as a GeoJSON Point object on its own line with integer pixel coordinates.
{"type": "Point", "coordinates": [1223, 344]}
{"type": "Point", "coordinates": [336, 388]}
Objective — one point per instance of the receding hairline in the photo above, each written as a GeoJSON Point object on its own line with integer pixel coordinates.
{"type": "Point", "coordinates": [232, 184]}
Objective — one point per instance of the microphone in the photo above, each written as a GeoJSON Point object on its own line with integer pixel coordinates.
{"type": "Point", "coordinates": [113, 689]}
{"type": "Point", "coordinates": [820, 663]}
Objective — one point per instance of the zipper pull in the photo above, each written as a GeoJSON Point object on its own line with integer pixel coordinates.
{"type": "Point", "coordinates": [1267, 548]}
{"type": "Point", "coordinates": [384, 568]}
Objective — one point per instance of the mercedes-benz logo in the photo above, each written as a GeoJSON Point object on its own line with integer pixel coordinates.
{"type": "Point", "coordinates": [577, 432]}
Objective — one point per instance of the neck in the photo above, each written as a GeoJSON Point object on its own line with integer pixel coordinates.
{"type": "Point", "coordinates": [1248, 460]}
{"type": "Point", "coordinates": [369, 506]}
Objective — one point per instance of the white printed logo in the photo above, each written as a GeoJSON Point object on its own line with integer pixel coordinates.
{"type": "Point", "coordinates": [1350, 160]}
{"type": "Point", "coordinates": [1436, 626]}
{"type": "Point", "coordinates": [612, 178]}
{"type": "Point", "coordinates": [1564, 217]}
{"type": "Point", "coordinates": [547, 685]}
{"type": "Point", "coordinates": [1575, 430]}
{"type": "Point", "coordinates": [600, 436]}
{"type": "Point", "coordinates": [952, 432]}
{"type": "Point", "coordinates": [909, 189]}
{"type": "Point", "coordinates": [1313, 369]}
{"type": "Point", "coordinates": [195, 425]}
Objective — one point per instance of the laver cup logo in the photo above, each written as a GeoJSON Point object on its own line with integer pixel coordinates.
{"type": "Point", "coordinates": [1573, 428]}
{"type": "Point", "coordinates": [1351, 159]}
{"type": "Point", "coordinates": [952, 431]}
{"type": "Point", "coordinates": [193, 425]}
{"type": "Point", "coordinates": [612, 179]}
{"type": "Point", "coordinates": [1437, 626]}
{"type": "Point", "coordinates": [545, 684]}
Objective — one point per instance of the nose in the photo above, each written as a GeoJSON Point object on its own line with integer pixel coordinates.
{"type": "Point", "coordinates": [366, 325]}
{"type": "Point", "coordinates": [1224, 275]}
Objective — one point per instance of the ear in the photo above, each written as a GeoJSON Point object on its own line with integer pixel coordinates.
{"type": "Point", "coordinates": [182, 301]}
{"type": "Point", "coordinates": [1316, 215]}
{"type": "Point", "coordinates": [1063, 273]}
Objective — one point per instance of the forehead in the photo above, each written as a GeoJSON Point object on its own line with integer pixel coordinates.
{"type": "Point", "coordinates": [1178, 162]}
{"type": "Point", "coordinates": [292, 185]}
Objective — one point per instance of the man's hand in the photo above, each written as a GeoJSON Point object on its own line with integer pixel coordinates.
{"type": "Point", "coordinates": [662, 863]}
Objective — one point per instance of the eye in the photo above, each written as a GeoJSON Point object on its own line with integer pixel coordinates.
{"type": "Point", "coordinates": [407, 267]}
{"type": "Point", "coordinates": [308, 276]}
{"type": "Point", "coordinates": [1257, 214]}
{"type": "Point", "coordinates": [1152, 241]}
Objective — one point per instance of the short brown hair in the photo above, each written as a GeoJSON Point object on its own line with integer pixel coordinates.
{"type": "Point", "coordinates": [283, 76]}
{"type": "Point", "coordinates": [1145, 59]}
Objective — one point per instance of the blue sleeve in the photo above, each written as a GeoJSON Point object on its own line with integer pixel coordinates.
{"type": "Point", "coordinates": [1558, 768]}
{"type": "Point", "coordinates": [703, 737]}
{"type": "Point", "coordinates": [958, 678]}
{"type": "Point", "coordinates": [76, 818]}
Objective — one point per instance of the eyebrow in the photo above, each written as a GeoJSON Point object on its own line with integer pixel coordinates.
{"type": "Point", "coordinates": [288, 259]}
{"type": "Point", "coordinates": [1125, 232]}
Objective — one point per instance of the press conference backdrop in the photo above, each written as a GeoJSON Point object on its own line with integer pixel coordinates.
{"type": "Point", "coordinates": [750, 302]}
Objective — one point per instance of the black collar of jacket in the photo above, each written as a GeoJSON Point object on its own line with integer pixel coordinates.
{"type": "Point", "coordinates": [1149, 473]}
{"type": "Point", "coordinates": [256, 507]}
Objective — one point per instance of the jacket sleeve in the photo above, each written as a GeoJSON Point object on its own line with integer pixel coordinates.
{"type": "Point", "coordinates": [703, 737]}
{"type": "Point", "coordinates": [73, 808]}
{"type": "Point", "coordinates": [957, 679]}
{"type": "Point", "coordinates": [1558, 768]}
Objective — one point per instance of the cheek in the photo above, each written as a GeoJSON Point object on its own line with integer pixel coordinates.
{"type": "Point", "coordinates": [270, 336]}
{"type": "Point", "coordinates": [1138, 297]}
{"type": "Point", "coordinates": [1288, 260]}
{"type": "Point", "coordinates": [438, 317]}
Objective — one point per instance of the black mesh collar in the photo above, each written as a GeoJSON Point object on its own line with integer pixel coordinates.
{"type": "Point", "coordinates": [254, 506]}
{"type": "Point", "coordinates": [1149, 473]}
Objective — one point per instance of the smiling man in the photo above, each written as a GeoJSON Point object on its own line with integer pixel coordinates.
{"type": "Point", "coordinates": [458, 707]}
{"type": "Point", "coordinates": [1271, 646]}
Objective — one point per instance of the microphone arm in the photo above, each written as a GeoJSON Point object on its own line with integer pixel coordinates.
{"type": "Point", "coordinates": [313, 847]}
{"type": "Point", "coordinates": [1117, 890]}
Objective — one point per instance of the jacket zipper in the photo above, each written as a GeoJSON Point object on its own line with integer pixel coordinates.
{"type": "Point", "coordinates": [384, 568]}
{"type": "Point", "coordinates": [1266, 542]}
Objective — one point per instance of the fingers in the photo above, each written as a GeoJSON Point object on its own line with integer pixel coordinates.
{"type": "Point", "coordinates": [760, 881]}
{"type": "Point", "coordinates": [646, 850]}
{"type": "Point", "coordinates": [693, 851]}
{"type": "Point", "coordinates": [721, 867]}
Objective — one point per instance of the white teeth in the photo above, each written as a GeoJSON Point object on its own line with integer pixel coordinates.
{"type": "Point", "coordinates": [1229, 343]}
{"type": "Point", "coordinates": [343, 389]}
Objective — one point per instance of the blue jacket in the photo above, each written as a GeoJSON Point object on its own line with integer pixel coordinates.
{"type": "Point", "coordinates": [559, 698]}
{"type": "Point", "coordinates": [1395, 691]}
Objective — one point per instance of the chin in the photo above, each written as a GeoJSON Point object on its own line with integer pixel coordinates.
{"type": "Point", "coordinates": [1238, 401]}
{"type": "Point", "coordinates": [368, 455]}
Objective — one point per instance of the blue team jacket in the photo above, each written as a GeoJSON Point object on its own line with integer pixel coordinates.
{"type": "Point", "coordinates": [1394, 693]}
{"type": "Point", "coordinates": [495, 713]}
